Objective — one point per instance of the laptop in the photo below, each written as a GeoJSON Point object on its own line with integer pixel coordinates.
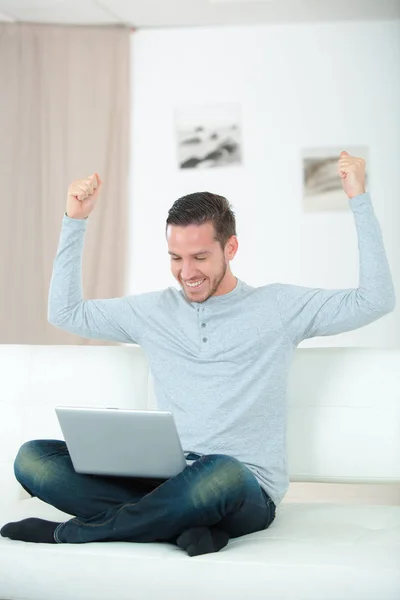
{"type": "Point", "coordinates": [122, 442]}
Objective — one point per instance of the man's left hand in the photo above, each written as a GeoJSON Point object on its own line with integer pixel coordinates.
{"type": "Point", "coordinates": [352, 173]}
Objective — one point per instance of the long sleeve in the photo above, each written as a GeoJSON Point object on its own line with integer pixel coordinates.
{"type": "Point", "coordinates": [113, 319]}
{"type": "Point", "coordinates": [309, 312]}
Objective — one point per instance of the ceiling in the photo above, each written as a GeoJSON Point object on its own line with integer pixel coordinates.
{"type": "Point", "coordinates": [183, 13]}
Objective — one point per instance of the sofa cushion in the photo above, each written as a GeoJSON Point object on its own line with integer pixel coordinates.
{"type": "Point", "coordinates": [311, 551]}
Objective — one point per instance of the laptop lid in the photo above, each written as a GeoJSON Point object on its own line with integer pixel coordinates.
{"type": "Point", "coordinates": [122, 442]}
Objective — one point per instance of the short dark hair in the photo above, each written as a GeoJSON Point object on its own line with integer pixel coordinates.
{"type": "Point", "coordinates": [204, 207]}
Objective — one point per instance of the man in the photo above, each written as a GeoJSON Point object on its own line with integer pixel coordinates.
{"type": "Point", "coordinates": [219, 351]}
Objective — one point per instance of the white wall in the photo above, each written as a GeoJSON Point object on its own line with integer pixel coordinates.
{"type": "Point", "coordinates": [299, 86]}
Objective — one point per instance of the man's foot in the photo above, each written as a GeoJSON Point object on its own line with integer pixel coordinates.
{"type": "Point", "coordinates": [202, 540]}
{"type": "Point", "coordinates": [30, 530]}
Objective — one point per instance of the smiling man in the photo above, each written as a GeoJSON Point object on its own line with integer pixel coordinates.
{"type": "Point", "coordinates": [201, 235]}
{"type": "Point", "coordinates": [220, 351]}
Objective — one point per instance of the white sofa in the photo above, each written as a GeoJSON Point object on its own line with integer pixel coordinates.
{"type": "Point", "coordinates": [343, 427]}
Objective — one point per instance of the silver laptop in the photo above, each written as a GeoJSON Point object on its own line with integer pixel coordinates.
{"type": "Point", "coordinates": [123, 442]}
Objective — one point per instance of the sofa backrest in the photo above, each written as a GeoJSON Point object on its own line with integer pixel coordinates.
{"type": "Point", "coordinates": [35, 379]}
{"type": "Point", "coordinates": [344, 415]}
{"type": "Point", "coordinates": [343, 404]}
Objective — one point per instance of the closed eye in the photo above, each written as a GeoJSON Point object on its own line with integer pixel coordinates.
{"type": "Point", "coordinates": [197, 258]}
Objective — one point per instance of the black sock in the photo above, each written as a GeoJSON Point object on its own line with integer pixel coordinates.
{"type": "Point", "coordinates": [30, 530]}
{"type": "Point", "coordinates": [202, 540]}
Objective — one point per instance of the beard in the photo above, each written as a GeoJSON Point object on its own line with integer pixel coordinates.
{"type": "Point", "coordinates": [215, 282]}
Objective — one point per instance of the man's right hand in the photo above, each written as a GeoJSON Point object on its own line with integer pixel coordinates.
{"type": "Point", "coordinates": [82, 196]}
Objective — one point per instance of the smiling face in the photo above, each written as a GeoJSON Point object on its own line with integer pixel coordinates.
{"type": "Point", "coordinates": [198, 262]}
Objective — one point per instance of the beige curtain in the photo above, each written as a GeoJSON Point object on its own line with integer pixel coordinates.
{"type": "Point", "coordinates": [64, 113]}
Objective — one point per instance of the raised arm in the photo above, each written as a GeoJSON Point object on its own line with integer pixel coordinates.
{"type": "Point", "coordinates": [113, 319]}
{"type": "Point", "coordinates": [310, 312]}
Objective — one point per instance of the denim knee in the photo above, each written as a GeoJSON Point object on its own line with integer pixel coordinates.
{"type": "Point", "coordinates": [223, 476]}
{"type": "Point", "coordinates": [28, 465]}
{"type": "Point", "coordinates": [24, 461]}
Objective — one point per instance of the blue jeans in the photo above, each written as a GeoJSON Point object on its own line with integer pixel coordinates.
{"type": "Point", "coordinates": [214, 491]}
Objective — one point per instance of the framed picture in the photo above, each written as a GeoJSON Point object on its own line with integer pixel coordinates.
{"type": "Point", "coordinates": [322, 185]}
{"type": "Point", "coordinates": [208, 136]}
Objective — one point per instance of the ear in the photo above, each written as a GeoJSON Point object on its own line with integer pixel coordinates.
{"type": "Point", "coordinates": [231, 247]}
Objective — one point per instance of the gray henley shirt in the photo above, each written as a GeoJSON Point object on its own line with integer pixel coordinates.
{"type": "Point", "coordinates": [221, 366]}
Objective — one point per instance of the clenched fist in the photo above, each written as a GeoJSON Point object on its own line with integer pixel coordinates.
{"type": "Point", "coordinates": [82, 196]}
{"type": "Point", "coordinates": [352, 173]}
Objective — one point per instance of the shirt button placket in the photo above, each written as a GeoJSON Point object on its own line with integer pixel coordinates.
{"type": "Point", "coordinates": [203, 325]}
